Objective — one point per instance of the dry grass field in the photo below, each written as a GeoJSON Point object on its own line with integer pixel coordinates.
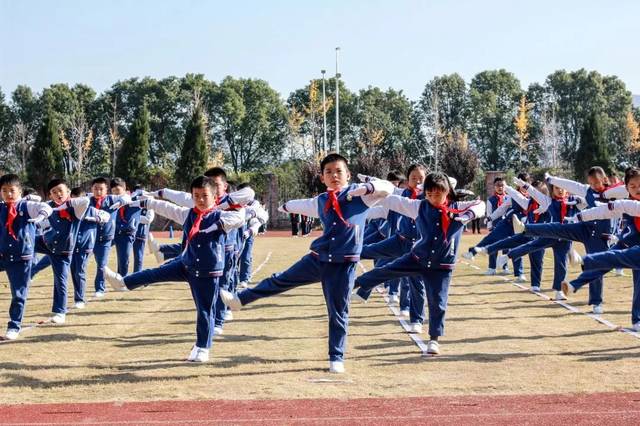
{"type": "Point", "coordinates": [500, 340]}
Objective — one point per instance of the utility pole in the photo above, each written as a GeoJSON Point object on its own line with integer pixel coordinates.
{"type": "Point", "coordinates": [337, 103]}
{"type": "Point", "coordinates": [324, 114]}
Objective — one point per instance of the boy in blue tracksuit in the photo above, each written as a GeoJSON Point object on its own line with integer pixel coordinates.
{"type": "Point", "coordinates": [433, 256]}
{"type": "Point", "coordinates": [334, 255]}
{"type": "Point", "coordinates": [201, 263]}
{"type": "Point", "coordinates": [595, 235]}
{"type": "Point", "coordinates": [105, 231]}
{"type": "Point", "coordinates": [142, 234]}
{"type": "Point", "coordinates": [18, 218]}
{"type": "Point", "coordinates": [127, 221]}
{"type": "Point", "coordinates": [58, 241]}
{"type": "Point", "coordinates": [251, 229]}
{"type": "Point", "coordinates": [493, 203]}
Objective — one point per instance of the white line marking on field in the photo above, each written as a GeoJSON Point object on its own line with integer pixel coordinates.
{"type": "Point", "coordinates": [567, 306]}
{"type": "Point", "coordinates": [405, 325]}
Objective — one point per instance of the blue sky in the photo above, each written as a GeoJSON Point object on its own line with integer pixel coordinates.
{"type": "Point", "coordinates": [400, 44]}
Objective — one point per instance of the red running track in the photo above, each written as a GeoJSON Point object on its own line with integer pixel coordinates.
{"type": "Point", "coordinates": [583, 409]}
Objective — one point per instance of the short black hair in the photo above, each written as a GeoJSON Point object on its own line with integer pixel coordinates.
{"type": "Point", "coordinates": [55, 182]}
{"type": "Point", "coordinates": [202, 182]}
{"type": "Point", "coordinates": [525, 177]}
{"type": "Point", "coordinates": [332, 158]}
{"type": "Point", "coordinates": [215, 172]}
{"type": "Point", "coordinates": [630, 173]}
{"type": "Point", "coordinates": [77, 191]}
{"type": "Point", "coordinates": [243, 185]}
{"type": "Point", "coordinates": [395, 175]}
{"type": "Point", "coordinates": [416, 166]}
{"type": "Point", "coordinates": [100, 180]}
{"type": "Point", "coordinates": [118, 182]}
{"type": "Point", "coordinates": [10, 180]}
{"type": "Point", "coordinates": [27, 190]}
{"type": "Point", "coordinates": [498, 179]}
{"type": "Point", "coordinates": [437, 180]}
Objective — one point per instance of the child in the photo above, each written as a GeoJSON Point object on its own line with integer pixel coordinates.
{"type": "Point", "coordinates": [594, 235]}
{"type": "Point", "coordinates": [127, 221]}
{"type": "Point", "coordinates": [58, 241]}
{"type": "Point", "coordinates": [18, 218]}
{"type": "Point", "coordinates": [202, 261]}
{"type": "Point", "coordinates": [250, 231]}
{"type": "Point", "coordinates": [142, 233]}
{"type": "Point", "coordinates": [105, 231]}
{"type": "Point", "coordinates": [433, 256]}
{"type": "Point", "coordinates": [493, 203]}
{"type": "Point", "coordinates": [334, 255]}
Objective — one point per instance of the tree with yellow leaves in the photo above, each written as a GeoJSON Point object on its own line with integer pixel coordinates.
{"type": "Point", "coordinates": [633, 132]}
{"type": "Point", "coordinates": [522, 128]}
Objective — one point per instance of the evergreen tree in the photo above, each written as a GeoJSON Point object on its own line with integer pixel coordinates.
{"type": "Point", "coordinates": [194, 155]}
{"type": "Point", "coordinates": [593, 147]}
{"type": "Point", "coordinates": [46, 158]}
{"type": "Point", "coordinates": [132, 161]}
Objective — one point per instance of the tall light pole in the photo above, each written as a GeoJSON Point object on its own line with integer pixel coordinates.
{"type": "Point", "coordinates": [337, 103]}
{"type": "Point", "coordinates": [324, 115]}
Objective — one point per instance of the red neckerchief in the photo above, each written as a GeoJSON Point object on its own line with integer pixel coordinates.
{"type": "Point", "coordinates": [533, 205]}
{"type": "Point", "coordinates": [563, 207]}
{"type": "Point", "coordinates": [414, 193]}
{"type": "Point", "coordinates": [500, 198]}
{"type": "Point", "coordinates": [332, 202]}
{"type": "Point", "coordinates": [121, 213]}
{"type": "Point", "coordinates": [11, 215]}
{"type": "Point", "coordinates": [99, 201]}
{"type": "Point", "coordinates": [444, 216]}
{"type": "Point", "coordinates": [195, 227]}
{"type": "Point", "coordinates": [64, 213]}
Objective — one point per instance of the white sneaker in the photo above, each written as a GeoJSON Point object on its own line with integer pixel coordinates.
{"type": "Point", "coordinates": [356, 298]}
{"type": "Point", "coordinates": [415, 327]}
{"type": "Point", "coordinates": [12, 334]}
{"type": "Point", "coordinates": [634, 327]}
{"type": "Point", "coordinates": [567, 288]}
{"type": "Point", "coordinates": [535, 289]}
{"type": "Point", "coordinates": [505, 271]}
{"type": "Point", "coordinates": [193, 353]}
{"type": "Point", "coordinates": [574, 258]}
{"type": "Point", "coordinates": [228, 315]}
{"type": "Point", "coordinates": [58, 318]}
{"type": "Point", "coordinates": [560, 295]}
{"type": "Point", "coordinates": [490, 272]}
{"type": "Point", "coordinates": [79, 305]}
{"type": "Point", "coordinates": [98, 294]}
{"type": "Point", "coordinates": [518, 226]}
{"type": "Point", "coordinates": [394, 299]}
{"type": "Point", "coordinates": [154, 248]}
{"type": "Point", "coordinates": [620, 273]}
{"type": "Point", "coordinates": [598, 309]}
{"type": "Point", "coordinates": [243, 284]}
{"type": "Point", "coordinates": [114, 279]}
{"type": "Point", "coordinates": [336, 367]}
{"type": "Point", "coordinates": [501, 260]}
{"type": "Point", "coordinates": [482, 251]}
{"type": "Point", "coordinates": [202, 355]}
{"type": "Point", "coordinates": [521, 279]}
{"type": "Point", "coordinates": [433, 347]}
{"type": "Point", "coordinates": [231, 300]}
{"type": "Point", "coordinates": [218, 331]}
{"type": "Point", "coordinates": [405, 313]}
{"type": "Point", "coordinates": [151, 240]}
{"type": "Point", "coordinates": [468, 255]}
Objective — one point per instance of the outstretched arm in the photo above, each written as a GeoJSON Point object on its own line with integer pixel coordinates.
{"type": "Point", "coordinates": [613, 209]}
{"type": "Point", "coordinates": [576, 188]}
{"type": "Point", "coordinates": [307, 207]}
{"type": "Point", "coordinates": [516, 196]}
{"type": "Point", "coordinates": [403, 205]}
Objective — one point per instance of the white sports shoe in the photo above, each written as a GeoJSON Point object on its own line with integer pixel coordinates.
{"type": "Point", "coordinates": [505, 271]}
{"type": "Point", "coordinates": [518, 226]}
{"type": "Point", "coordinates": [154, 248]}
{"type": "Point", "coordinates": [58, 318]}
{"type": "Point", "coordinates": [231, 300]}
{"type": "Point", "coordinates": [192, 354]}
{"type": "Point", "coordinates": [79, 305]}
{"type": "Point", "coordinates": [574, 258]}
{"type": "Point", "coordinates": [620, 273]}
{"type": "Point", "coordinates": [98, 294]}
{"type": "Point", "coordinates": [202, 355]}
{"type": "Point", "coordinates": [336, 367]}
{"type": "Point", "coordinates": [482, 251]}
{"type": "Point", "coordinates": [433, 347]}
{"type": "Point", "coordinates": [598, 309]}
{"type": "Point", "coordinates": [521, 279]}
{"type": "Point", "coordinates": [12, 334]}
{"type": "Point", "coordinates": [468, 255]}
{"type": "Point", "coordinates": [243, 284]}
{"type": "Point", "coordinates": [634, 327]}
{"type": "Point", "coordinates": [415, 327]}
{"type": "Point", "coordinates": [490, 272]}
{"type": "Point", "coordinates": [405, 313]}
{"type": "Point", "coordinates": [501, 260]}
{"type": "Point", "coordinates": [228, 315]}
{"type": "Point", "coordinates": [217, 331]}
{"type": "Point", "coordinates": [560, 295]}
{"type": "Point", "coordinates": [535, 289]}
{"type": "Point", "coordinates": [151, 240]}
{"type": "Point", "coordinates": [114, 279]}
{"type": "Point", "coordinates": [356, 298]}
{"type": "Point", "coordinates": [394, 299]}
{"type": "Point", "coordinates": [567, 288]}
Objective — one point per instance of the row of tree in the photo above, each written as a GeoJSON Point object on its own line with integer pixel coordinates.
{"type": "Point", "coordinates": [165, 131]}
